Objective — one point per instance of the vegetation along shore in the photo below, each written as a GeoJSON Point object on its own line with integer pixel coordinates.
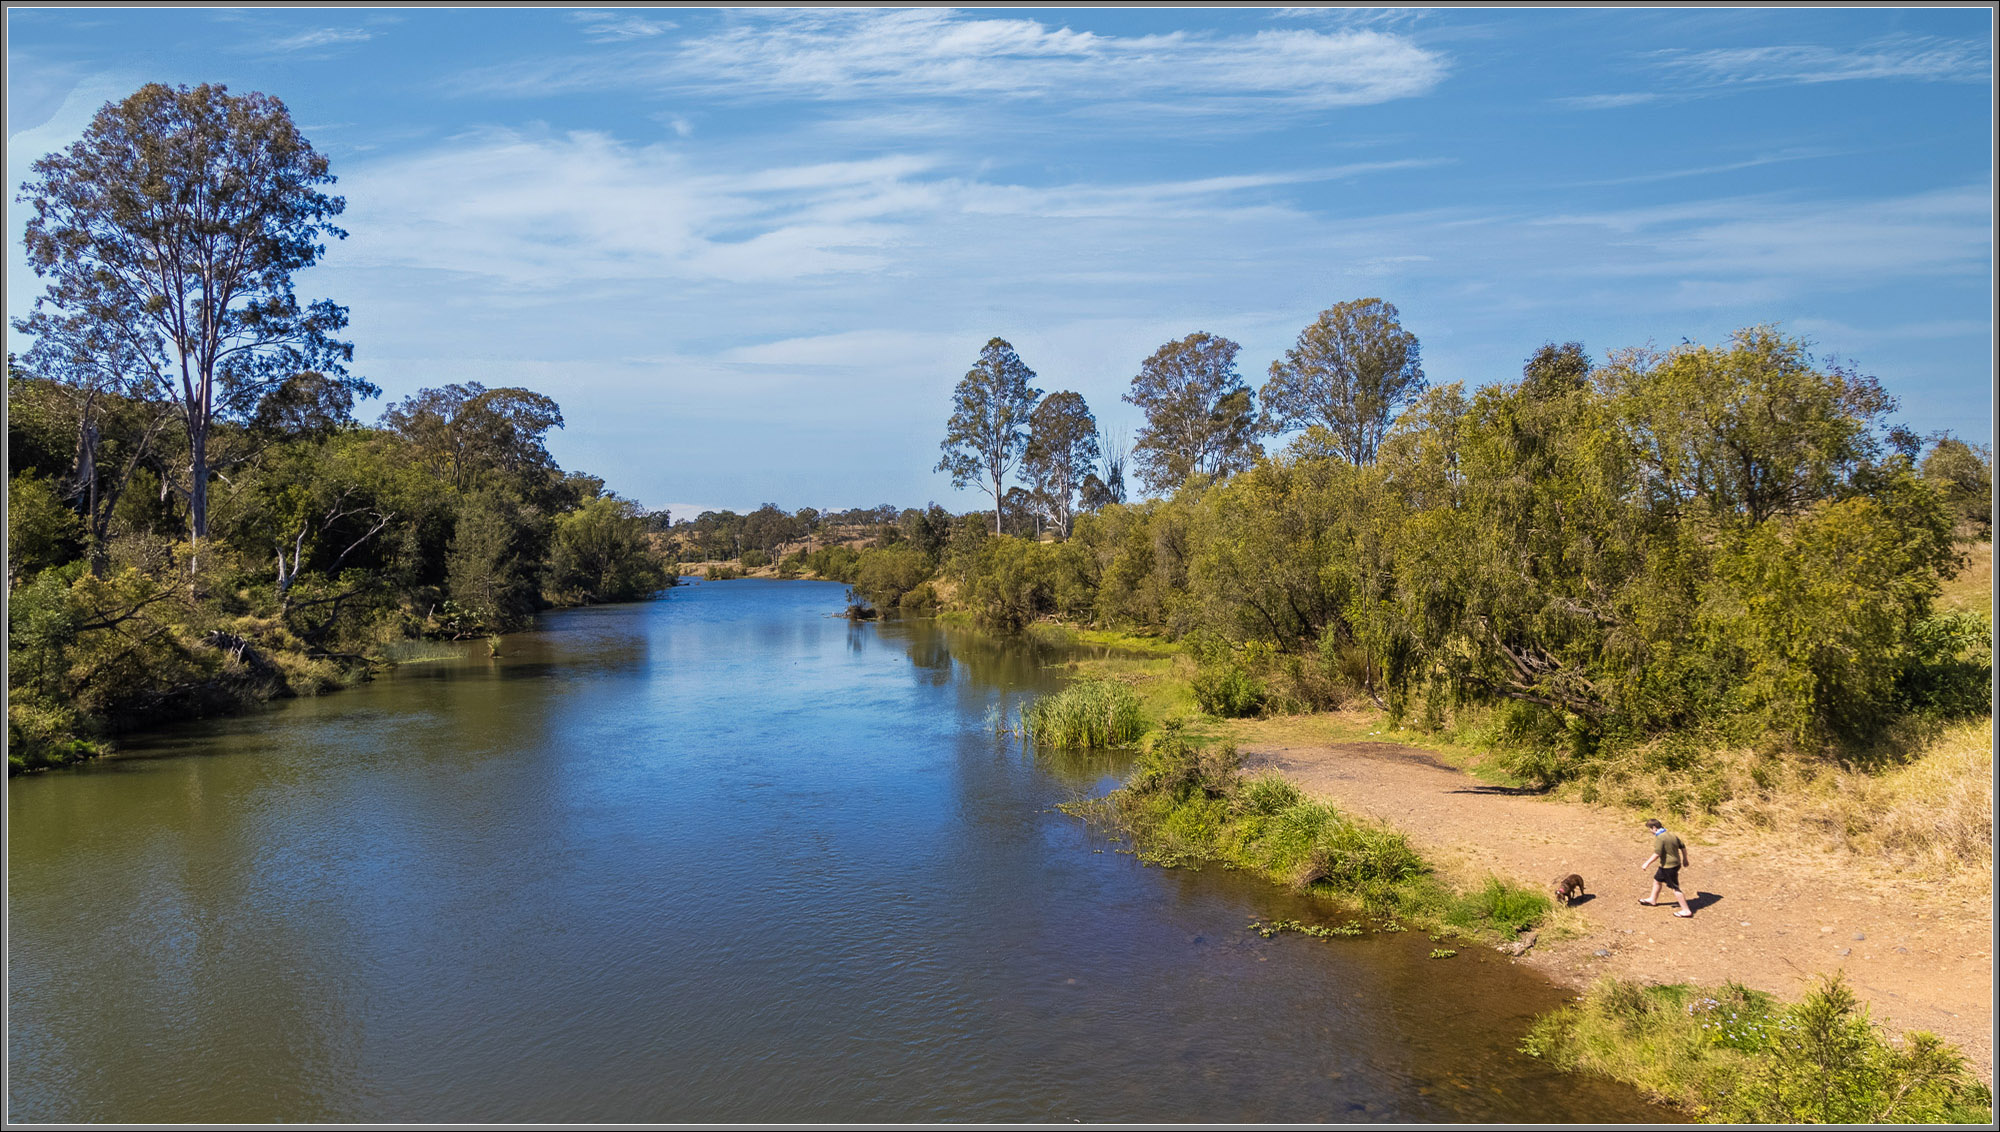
{"type": "Point", "coordinates": [1716, 583]}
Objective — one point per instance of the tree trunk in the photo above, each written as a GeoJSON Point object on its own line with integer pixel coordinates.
{"type": "Point", "coordinates": [86, 473]}
{"type": "Point", "coordinates": [198, 485]}
{"type": "Point", "coordinates": [996, 503]}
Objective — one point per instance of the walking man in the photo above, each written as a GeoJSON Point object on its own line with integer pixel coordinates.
{"type": "Point", "coordinates": [1670, 852]}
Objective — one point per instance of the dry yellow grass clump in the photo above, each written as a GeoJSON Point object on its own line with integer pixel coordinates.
{"type": "Point", "coordinates": [1930, 817]}
{"type": "Point", "coordinates": [1936, 811]}
{"type": "Point", "coordinates": [1971, 589]}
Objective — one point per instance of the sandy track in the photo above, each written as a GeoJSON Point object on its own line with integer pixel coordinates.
{"type": "Point", "coordinates": [1765, 921]}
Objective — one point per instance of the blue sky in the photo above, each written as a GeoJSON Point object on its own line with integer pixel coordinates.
{"type": "Point", "coordinates": [750, 253]}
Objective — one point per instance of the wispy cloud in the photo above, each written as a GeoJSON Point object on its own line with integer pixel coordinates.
{"type": "Point", "coordinates": [1807, 244]}
{"type": "Point", "coordinates": [1705, 73]}
{"type": "Point", "coordinates": [1710, 170]}
{"type": "Point", "coordinates": [831, 55]}
{"type": "Point", "coordinates": [617, 27]}
{"type": "Point", "coordinates": [1928, 59]}
{"type": "Point", "coordinates": [316, 39]}
{"type": "Point", "coordinates": [1609, 101]}
{"type": "Point", "coordinates": [540, 212]}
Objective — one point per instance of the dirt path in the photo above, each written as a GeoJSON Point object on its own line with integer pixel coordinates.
{"type": "Point", "coordinates": [1764, 921]}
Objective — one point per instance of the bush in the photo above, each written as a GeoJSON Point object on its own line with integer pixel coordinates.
{"type": "Point", "coordinates": [834, 563]}
{"type": "Point", "coordinates": [1226, 690]}
{"type": "Point", "coordinates": [42, 531]}
{"type": "Point", "coordinates": [1950, 669]}
{"type": "Point", "coordinates": [1829, 1065]}
{"type": "Point", "coordinates": [755, 560]}
{"type": "Point", "coordinates": [1174, 766]}
{"type": "Point", "coordinates": [600, 553]}
{"type": "Point", "coordinates": [1498, 907]}
{"type": "Point", "coordinates": [883, 575]}
{"type": "Point", "coordinates": [1267, 795]}
{"type": "Point", "coordinates": [919, 602]}
{"type": "Point", "coordinates": [1737, 1055]}
{"type": "Point", "coordinates": [1008, 583]}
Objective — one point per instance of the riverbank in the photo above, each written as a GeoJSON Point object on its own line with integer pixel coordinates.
{"type": "Point", "coordinates": [1920, 959]}
{"type": "Point", "coordinates": [248, 665]}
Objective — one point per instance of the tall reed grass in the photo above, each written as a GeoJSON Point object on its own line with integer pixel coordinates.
{"type": "Point", "coordinates": [1090, 713]}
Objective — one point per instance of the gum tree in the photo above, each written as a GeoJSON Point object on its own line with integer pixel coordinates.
{"type": "Point", "coordinates": [988, 429]}
{"type": "Point", "coordinates": [1350, 372]}
{"type": "Point", "coordinates": [1200, 416]}
{"type": "Point", "coordinates": [1062, 451]}
{"type": "Point", "coordinates": [178, 222]}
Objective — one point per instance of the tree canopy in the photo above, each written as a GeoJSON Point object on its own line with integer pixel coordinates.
{"type": "Point", "coordinates": [1062, 452]}
{"type": "Point", "coordinates": [1350, 373]}
{"type": "Point", "coordinates": [1200, 416]}
{"type": "Point", "coordinates": [988, 428]}
{"type": "Point", "coordinates": [173, 229]}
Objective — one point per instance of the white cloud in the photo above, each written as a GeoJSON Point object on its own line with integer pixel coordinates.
{"type": "Point", "coordinates": [1709, 72]}
{"type": "Point", "coordinates": [1929, 59]}
{"type": "Point", "coordinates": [1609, 101]}
{"type": "Point", "coordinates": [617, 27]}
{"type": "Point", "coordinates": [1807, 154]}
{"type": "Point", "coordinates": [1806, 243]}
{"type": "Point", "coordinates": [828, 55]}
{"type": "Point", "coordinates": [540, 213]}
{"type": "Point", "coordinates": [315, 39]}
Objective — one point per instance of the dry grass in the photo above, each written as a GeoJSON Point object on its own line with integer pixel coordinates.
{"type": "Point", "coordinates": [1933, 815]}
{"type": "Point", "coordinates": [1972, 590]}
{"type": "Point", "coordinates": [1926, 817]}
{"type": "Point", "coordinates": [1926, 814]}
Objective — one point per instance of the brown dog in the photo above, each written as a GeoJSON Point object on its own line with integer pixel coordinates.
{"type": "Point", "coordinates": [1568, 888]}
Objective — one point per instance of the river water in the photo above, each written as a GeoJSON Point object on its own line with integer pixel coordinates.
{"type": "Point", "coordinates": [717, 857]}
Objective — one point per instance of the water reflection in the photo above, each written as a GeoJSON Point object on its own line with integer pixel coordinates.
{"type": "Point", "coordinates": [722, 857]}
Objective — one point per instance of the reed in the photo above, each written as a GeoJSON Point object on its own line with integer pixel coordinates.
{"type": "Point", "coordinates": [1090, 713]}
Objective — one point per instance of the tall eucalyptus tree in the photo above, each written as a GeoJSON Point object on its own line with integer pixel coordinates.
{"type": "Point", "coordinates": [988, 429]}
{"type": "Point", "coordinates": [178, 221]}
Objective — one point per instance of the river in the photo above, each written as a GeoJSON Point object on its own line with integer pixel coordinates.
{"type": "Point", "coordinates": [718, 857]}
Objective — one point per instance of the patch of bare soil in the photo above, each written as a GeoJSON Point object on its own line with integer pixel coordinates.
{"type": "Point", "coordinates": [1920, 961]}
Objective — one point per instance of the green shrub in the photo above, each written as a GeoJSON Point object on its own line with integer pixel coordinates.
{"type": "Point", "coordinates": [1353, 856]}
{"type": "Point", "coordinates": [1092, 713]}
{"type": "Point", "coordinates": [1829, 1065]}
{"type": "Point", "coordinates": [919, 602]}
{"type": "Point", "coordinates": [1950, 667]}
{"type": "Point", "coordinates": [1226, 690]}
{"type": "Point", "coordinates": [883, 575]}
{"type": "Point", "coordinates": [42, 530]}
{"type": "Point", "coordinates": [834, 563]}
{"type": "Point", "coordinates": [1009, 583]}
{"type": "Point", "coordinates": [1266, 795]}
{"type": "Point", "coordinates": [1176, 767]}
{"type": "Point", "coordinates": [1737, 1055]}
{"type": "Point", "coordinates": [755, 559]}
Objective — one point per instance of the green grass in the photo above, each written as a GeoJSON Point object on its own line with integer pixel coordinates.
{"type": "Point", "coordinates": [1735, 1055]}
{"type": "Point", "coordinates": [1188, 802]}
{"type": "Point", "coordinates": [1091, 713]}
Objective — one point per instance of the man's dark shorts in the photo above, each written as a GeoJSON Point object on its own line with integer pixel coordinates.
{"type": "Point", "coordinates": [1669, 877]}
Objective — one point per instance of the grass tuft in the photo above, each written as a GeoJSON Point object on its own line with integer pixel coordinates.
{"type": "Point", "coordinates": [1090, 713]}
